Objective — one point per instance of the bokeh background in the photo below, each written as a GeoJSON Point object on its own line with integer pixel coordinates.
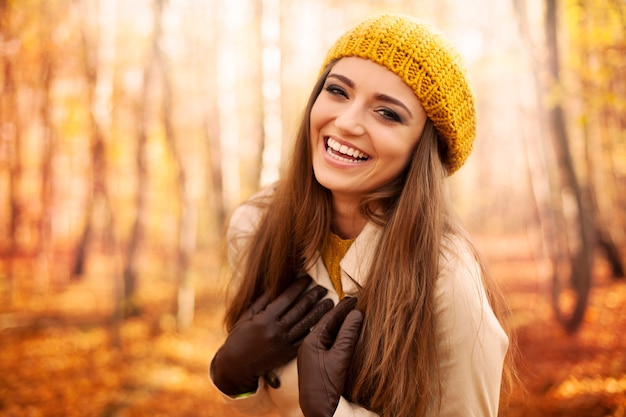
{"type": "Point", "coordinates": [130, 129]}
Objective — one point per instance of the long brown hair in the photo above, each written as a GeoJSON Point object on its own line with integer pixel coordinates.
{"type": "Point", "coordinates": [397, 372]}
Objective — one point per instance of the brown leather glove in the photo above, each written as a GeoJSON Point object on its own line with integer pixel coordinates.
{"type": "Point", "coordinates": [324, 357]}
{"type": "Point", "coordinates": [267, 336]}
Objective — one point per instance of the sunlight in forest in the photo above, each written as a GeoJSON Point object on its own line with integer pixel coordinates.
{"type": "Point", "coordinates": [573, 386]}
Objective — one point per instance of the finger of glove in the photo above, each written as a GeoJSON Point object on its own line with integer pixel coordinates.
{"type": "Point", "coordinates": [255, 308]}
{"type": "Point", "coordinates": [260, 304]}
{"type": "Point", "coordinates": [302, 306]}
{"type": "Point", "coordinates": [337, 358]}
{"type": "Point", "coordinates": [303, 327]}
{"type": "Point", "coordinates": [326, 330]}
{"type": "Point", "coordinates": [277, 307]}
{"type": "Point", "coordinates": [349, 332]}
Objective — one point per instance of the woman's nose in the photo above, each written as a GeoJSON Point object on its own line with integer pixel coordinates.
{"type": "Point", "coordinates": [350, 121]}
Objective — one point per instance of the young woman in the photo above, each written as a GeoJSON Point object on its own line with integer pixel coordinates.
{"type": "Point", "coordinates": [357, 293]}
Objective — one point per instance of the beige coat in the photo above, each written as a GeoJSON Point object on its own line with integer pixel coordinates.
{"type": "Point", "coordinates": [472, 342]}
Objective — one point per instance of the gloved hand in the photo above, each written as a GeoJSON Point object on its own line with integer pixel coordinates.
{"type": "Point", "coordinates": [324, 357]}
{"type": "Point", "coordinates": [267, 336]}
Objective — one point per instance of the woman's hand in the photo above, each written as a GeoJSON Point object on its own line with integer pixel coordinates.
{"type": "Point", "coordinates": [324, 357]}
{"type": "Point", "coordinates": [267, 336]}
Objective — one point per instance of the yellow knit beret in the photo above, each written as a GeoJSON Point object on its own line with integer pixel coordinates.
{"type": "Point", "coordinates": [426, 62]}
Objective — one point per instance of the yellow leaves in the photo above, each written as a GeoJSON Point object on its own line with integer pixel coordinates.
{"type": "Point", "coordinates": [55, 371]}
{"type": "Point", "coordinates": [66, 371]}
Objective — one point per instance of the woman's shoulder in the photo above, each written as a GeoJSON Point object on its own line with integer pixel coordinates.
{"type": "Point", "coordinates": [246, 216]}
{"type": "Point", "coordinates": [244, 222]}
{"type": "Point", "coordinates": [460, 271]}
{"type": "Point", "coordinates": [461, 294]}
{"type": "Point", "coordinates": [457, 251]}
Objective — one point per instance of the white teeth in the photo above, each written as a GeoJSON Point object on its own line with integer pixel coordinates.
{"type": "Point", "coordinates": [345, 150]}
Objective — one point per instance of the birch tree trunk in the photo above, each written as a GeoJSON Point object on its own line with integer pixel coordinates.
{"type": "Point", "coordinates": [564, 221]}
{"type": "Point", "coordinates": [130, 269]}
{"type": "Point", "coordinates": [579, 229]}
{"type": "Point", "coordinates": [187, 215]}
{"type": "Point", "coordinates": [541, 178]}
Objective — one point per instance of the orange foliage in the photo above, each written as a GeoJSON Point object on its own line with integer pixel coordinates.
{"type": "Point", "coordinates": [60, 362]}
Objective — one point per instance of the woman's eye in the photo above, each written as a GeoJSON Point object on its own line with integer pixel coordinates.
{"type": "Point", "coordinates": [336, 90]}
{"type": "Point", "coordinates": [390, 115]}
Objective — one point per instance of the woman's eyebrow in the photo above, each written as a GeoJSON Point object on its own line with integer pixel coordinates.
{"type": "Point", "coordinates": [380, 96]}
{"type": "Point", "coordinates": [343, 78]}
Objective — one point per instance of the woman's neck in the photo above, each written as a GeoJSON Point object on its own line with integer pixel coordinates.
{"type": "Point", "coordinates": [347, 221]}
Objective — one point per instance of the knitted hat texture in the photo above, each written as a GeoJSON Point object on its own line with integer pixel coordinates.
{"type": "Point", "coordinates": [421, 56]}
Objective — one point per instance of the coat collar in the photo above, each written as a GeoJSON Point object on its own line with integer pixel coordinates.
{"type": "Point", "coordinates": [358, 260]}
{"type": "Point", "coordinates": [355, 265]}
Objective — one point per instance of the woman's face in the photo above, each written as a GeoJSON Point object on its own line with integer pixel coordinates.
{"type": "Point", "coordinates": [365, 125]}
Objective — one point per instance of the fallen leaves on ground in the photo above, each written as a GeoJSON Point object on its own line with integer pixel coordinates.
{"type": "Point", "coordinates": [59, 359]}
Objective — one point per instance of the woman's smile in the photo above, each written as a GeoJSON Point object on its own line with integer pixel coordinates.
{"type": "Point", "coordinates": [344, 153]}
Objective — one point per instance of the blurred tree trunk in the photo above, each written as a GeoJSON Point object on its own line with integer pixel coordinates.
{"type": "Point", "coordinates": [211, 126]}
{"type": "Point", "coordinates": [80, 255]}
{"type": "Point", "coordinates": [239, 93]}
{"type": "Point", "coordinates": [96, 51]}
{"type": "Point", "coordinates": [11, 130]}
{"type": "Point", "coordinates": [564, 221]}
{"type": "Point", "coordinates": [271, 90]}
{"type": "Point", "coordinates": [579, 229]}
{"type": "Point", "coordinates": [131, 268]}
{"type": "Point", "coordinates": [214, 150]}
{"type": "Point", "coordinates": [187, 217]}
{"type": "Point", "coordinates": [601, 172]}
{"type": "Point", "coordinates": [541, 178]}
{"type": "Point", "coordinates": [251, 135]}
{"type": "Point", "coordinates": [42, 276]}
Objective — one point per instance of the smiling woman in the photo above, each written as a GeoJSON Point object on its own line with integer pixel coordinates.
{"type": "Point", "coordinates": [356, 293]}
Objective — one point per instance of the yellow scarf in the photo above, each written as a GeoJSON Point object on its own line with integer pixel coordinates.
{"type": "Point", "coordinates": [332, 253]}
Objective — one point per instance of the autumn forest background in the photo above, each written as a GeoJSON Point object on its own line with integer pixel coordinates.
{"type": "Point", "coordinates": [130, 129]}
